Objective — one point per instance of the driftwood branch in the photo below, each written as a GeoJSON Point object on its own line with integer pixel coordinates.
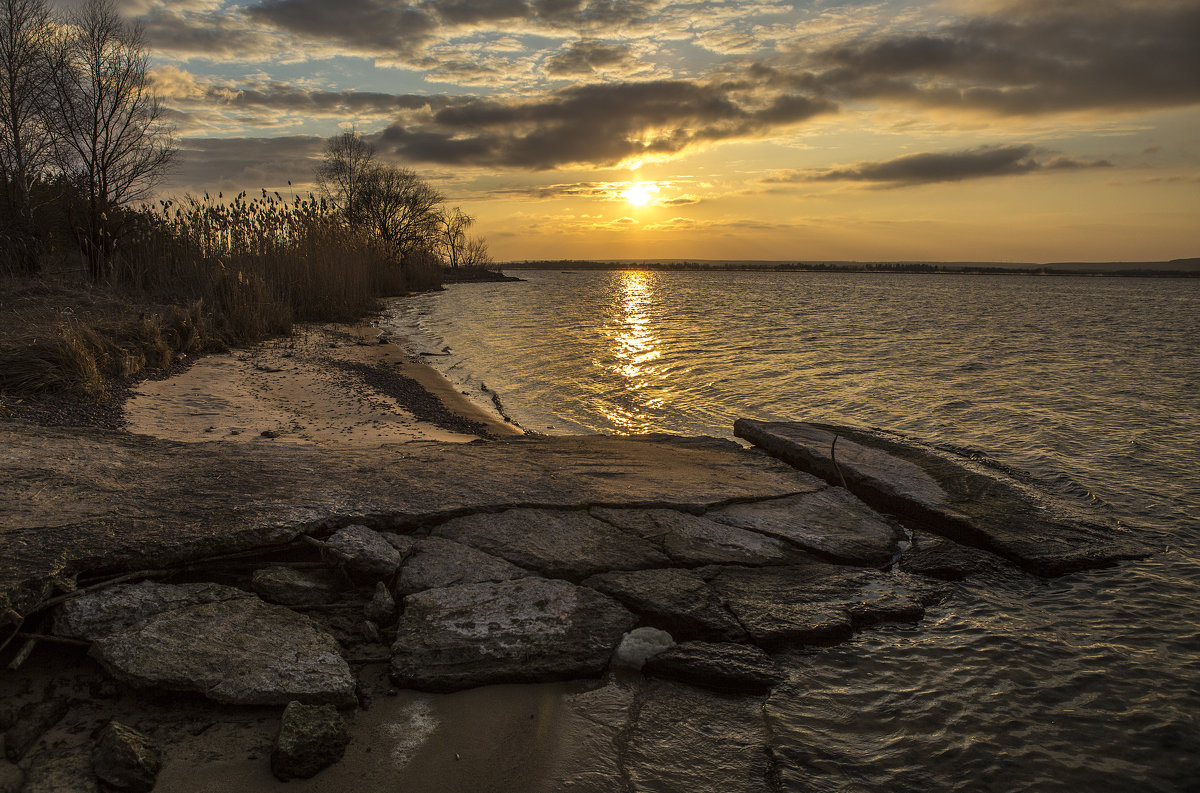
{"type": "Point", "coordinates": [833, 459]}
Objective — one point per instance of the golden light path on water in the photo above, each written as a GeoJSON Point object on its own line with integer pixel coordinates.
{"type": "Point", "coordinates": [634, 348]}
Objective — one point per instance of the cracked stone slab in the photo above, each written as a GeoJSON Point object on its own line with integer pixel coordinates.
{"type": "Point", "coordinates": [524, 630]}
{"type": "Point", "coordinates": [243, 652]}
{"type": "Point", "coordinates": [673, 600]}
{"type": "Point", "coordinates": [695, 540]}
{"type": "Point", "coordinates": [94, 615]}
{"type": "Point", "coordinates": [723, 666]}
{"type": "Point", "coordinates": [812, 604]}
{"type": "Point", "coordinates": [831, 522]}
{"type": "Point", "coordinates": [689, 739]}
{"type": "Point", "coordinates": [437, 562]}
{"type": "Point", "coordinates": [952, 495]}
{"type": "Point", "coordinates": [556, 543]}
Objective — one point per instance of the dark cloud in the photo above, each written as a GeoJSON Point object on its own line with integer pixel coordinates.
{"type": "Point", "coordinates": [1030, 58]}
{"type": "Point", "coordinates": [928, 168]}
{"type": "Point", "coordinates": [585, 57]}
{"type": "Point", "coordinates": [598, 124]}
{"type": "Point", "coordinates": [235, 164]}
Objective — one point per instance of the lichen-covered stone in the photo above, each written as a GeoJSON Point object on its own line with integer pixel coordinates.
{"type": "Point", "coordinates": [126, 759]}
{"type": "Point", "coordinates": [311, 738]}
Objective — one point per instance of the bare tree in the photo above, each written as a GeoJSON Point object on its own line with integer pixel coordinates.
{"type": "Point", "coordinates": [26, 146]}
{"type": "Point", "coordinates": [342, 174]}
{"type": "Point", "coordinates": [400, 207]}
{"type": "Point", "coordinates": [476, 254]}
{"type": "Point", "coordinates": [452, 235]}
{"type": "Point", "coordinates": [114, 143]}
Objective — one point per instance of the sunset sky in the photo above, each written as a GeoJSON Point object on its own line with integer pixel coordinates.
{"type": "Point", "coordinates": [1026, 130]}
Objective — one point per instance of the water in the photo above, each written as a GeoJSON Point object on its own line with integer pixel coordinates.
{"type": "Point", "coordinates": [1087, 682]}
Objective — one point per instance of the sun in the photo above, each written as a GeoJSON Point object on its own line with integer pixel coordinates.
{"type": "Point", "coordinates": [640, 193]}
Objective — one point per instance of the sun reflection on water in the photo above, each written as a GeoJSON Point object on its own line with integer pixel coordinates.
{"type": "Point", "coordinates": [634, 349]}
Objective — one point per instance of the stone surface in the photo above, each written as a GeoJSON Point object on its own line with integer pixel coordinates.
{"type": "Point", "coordinates": [32, 720]}
{"type": "Point", "coordinates": [438, 562]}
{"type": "Point", "coordinates": [689, 739]}
{"type": "Point", "coordinates": [525, 630]}
{"type": "Point", "coordinates": [288, 586]}
{"type": "Point", "coordinates": [830, 522]}
{"type": "Point", "coordinates": [311, 738]}
{"type": "Point", "coordinates": [641, 644]}
{"type": "Point", "coordinates": [957, 497]}
{"type": "Point", "coordinates": [104, 612]}
{"type": "Point", "coordinates": [364, 551]}
{"type": "Point", "coordinates": [558, 543]}
{"type": "Point", "coordinates": [723, 666]}
{"type": "Point", "coordinates": [239, 651]}
{"type": "Point", "coordinates": [133, 502]}
{"type": "Point", "coordinates": [938, 557]}
{"type": "Point", "coordinates": [812, 604]}
{"type": "Point", "coordinates": [126, 759]}
{"type": "Point", "coordinates": [381, 609]}
{"type": "Point", "coordinates": [677, 601]}
{"type": "Point", "coordinates": [694, 540]}
{"type": "Point", "coordinates": [12, 778]}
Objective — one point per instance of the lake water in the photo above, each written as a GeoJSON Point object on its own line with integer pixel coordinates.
{"type": "Point", "coordinates": [1087, 682]}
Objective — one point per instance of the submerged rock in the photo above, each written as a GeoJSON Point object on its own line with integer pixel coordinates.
{"type": "Point", "coordinates": [937, 557]}
{"type": "Point", "coordinates": [525, 630]}
{"type": "Point", "coordinates": [694, 540]}
{"type": "Point", "coordinates": [951, 495]}
{"type": "Point", "coordinates": [723, 666]}
{"type": "Point", "coordinates": [677, 601]}
{"type": "Point", "coordinates": [104, 612]}
{"type": "Point", "coordinates": [126, 759]}
{"type": "Point", "coordinates": [438, 562]}
{"type": "Point", "coordinates": [291, 587]}
{"type": "Point", "coordinates": [242, 651]}
{"type": "Point", "coordinates": [830, 522]}
{"type": "Point", "coordinates": [557, 543]}
{"type": "Point", "coordinates": [364, 551]}
{"type": "Point", "coordinates": [311, 738]}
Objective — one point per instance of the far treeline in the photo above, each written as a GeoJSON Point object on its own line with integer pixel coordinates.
{"type": "Point", "coordinates": [98, 283]}
{"type": "Point", "coordinates": [1176, 268]}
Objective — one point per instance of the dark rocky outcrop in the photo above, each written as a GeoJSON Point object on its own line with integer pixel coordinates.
{"type": "Point", "coordinates": [937, 557]}
{"type": "Point", "coordinates": [241, 651]}
{"type": "Point", "coordinates": [381, 608]}
{"type": "Point", "coordinates": [438, 562]}
{"type": "Point", "coordinates": [723, 666]}
{"type": "Point", "coordinates": [107, 611]}
{"type": "Point", "coordinates": [694, 540]}
{"type": "Point", "coordinates": [558, 543]}
{"type": "Point", "coordinates": [676, 601]}
{"type": "Point", "coordinates": [364, 551]}
{"type": "Point", "coordinates": [955, 496]}
{"type": "Point", "coordinates": [311, 738]}
{"type": "Point", "coordinates": [291, 587]}
{"type": "Point", "coordinates": [525, 630]}
{"type": "Point", "coordinates": [126, 759]}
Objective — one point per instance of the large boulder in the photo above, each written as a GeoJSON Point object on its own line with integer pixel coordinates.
{"type": "Point", "coordinates": [557, 543]}
{"type": "Point", "coordinates": [437, 562]}
{"type": "Point", "coordinates": [94, 615]}
{"type": "Point", "coordinates": [311, 738]}
{"type": "Point", "coordinates": [674, 600]}
{"type": "Point", "coordinates": [364, 551]}
{"type": "Point", "coordinates": [830, 522]}
{"type": "Point", "coordinates": [955, 496]}
{"type": "Point", "coordinates": [241, 651]}
{"type": "Point", "coordinates": [695, 540]}
{"type": "Point", "coordinates": [126, 759]}
{"type": "Point", "coordinates": [519, 631]}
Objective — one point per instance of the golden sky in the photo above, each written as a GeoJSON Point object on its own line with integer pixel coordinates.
{"type": "Point", "coordinates": [985, 130]}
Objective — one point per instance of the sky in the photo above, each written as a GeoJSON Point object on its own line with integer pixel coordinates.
{"type": "Point", "coordinates": [937, 130]}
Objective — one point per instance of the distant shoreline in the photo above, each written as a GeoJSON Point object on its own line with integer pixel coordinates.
{"type": "Point", "coordinates": [1176, 268]}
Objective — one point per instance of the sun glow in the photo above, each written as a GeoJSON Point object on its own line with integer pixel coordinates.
{"type": "Point", "coordinates": [640, 194]}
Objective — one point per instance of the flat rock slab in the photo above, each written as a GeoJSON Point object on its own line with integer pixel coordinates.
{"type": "Point", "coordinates": [960, 498]}
{"type": "Point", "coordinates": [243, 652]}
{"type": "Point", "coordinates": [812, 604]}
{"type": "Point", "coordinates": [76, 500]}
{"type": "Point", "coordinates": [676, 601]}
{"type": "Point", "coordinates": [104, 612]}
{"type": "Point", "coordinates": [526, 630]}
{"type": "Point", "coordinates": [723, 666]}
{"type": "Point", "coordinates": [695, 540]}
{"type": "Point", "coordinates": [831, 522]}
{"type": "Point", "coordinates": [556, 543]}
{"type": "Point", "coordinates": [437, 562]}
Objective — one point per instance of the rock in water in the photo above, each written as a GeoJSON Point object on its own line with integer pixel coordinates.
{"type": "Point", "coordinates": [520, 631]}
{"type": "Point", "coordinates": [311, 738]}
{"type": "Point", "coordinates": [724, 666]}
{"type": "Point", "coordinates": [952, 495]}
{"type": "Point", "coordinates": [365, 551]}
{"type": "Point", "coordinates": [126, 759]}
{"type": "Point", "coordinates": [244, 652]}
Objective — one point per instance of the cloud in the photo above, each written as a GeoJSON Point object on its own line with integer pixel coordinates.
{"type": "Point", "coordinates": [600, 124]}
{"type": "Point", "coordinates": [929, 167]}
{"type": "Point", "coordinates": [235, 164]}
{"type": "Point", "coordinates": [1025, 58]}
{"type": "Point", "coordinates": [587, 57]}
